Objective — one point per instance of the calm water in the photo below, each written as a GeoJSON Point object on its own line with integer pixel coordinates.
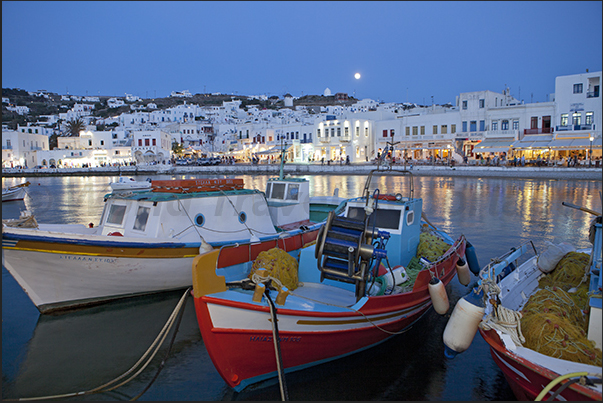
{"type": "Point", "coordinates": [79, 350]}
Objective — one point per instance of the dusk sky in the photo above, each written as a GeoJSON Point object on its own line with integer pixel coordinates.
{"type": "Point", "coordinates": [404, 51]}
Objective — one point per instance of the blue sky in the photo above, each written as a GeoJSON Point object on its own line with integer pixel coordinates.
{"type": "Point", "coordinates": [404, 51]}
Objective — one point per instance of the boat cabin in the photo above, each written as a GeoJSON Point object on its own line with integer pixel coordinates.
{"type": "Point", "coordinates": [288, 200]}
{"type": "Point", "coordinates": [218, 211]}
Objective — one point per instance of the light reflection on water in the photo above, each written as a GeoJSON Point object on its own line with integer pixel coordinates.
{"type": "Point", "coordinates": [82, 349]}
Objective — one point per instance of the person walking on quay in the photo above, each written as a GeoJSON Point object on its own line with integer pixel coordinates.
{"type": "Point", "coordinates": [523, 160]}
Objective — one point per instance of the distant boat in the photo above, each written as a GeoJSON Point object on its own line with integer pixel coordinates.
{"type": "Point", "coordinates": [14, 192]}
{"type": "Point", "coordinates": [127, 183]}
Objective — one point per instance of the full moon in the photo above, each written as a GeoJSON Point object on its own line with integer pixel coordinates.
{"type": "Point", "coordinates": [357, 76]}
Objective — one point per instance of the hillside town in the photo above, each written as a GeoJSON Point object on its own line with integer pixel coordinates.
{"type": "Point", "coordinates": [481, 127]}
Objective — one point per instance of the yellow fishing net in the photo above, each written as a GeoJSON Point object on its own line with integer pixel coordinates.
{"type": "Point", "coordinates": [431, 247]}
{"type": "Point", "coordinates": [553, 320]}
{"type": "Point", "coordinates": [278, 264]}
{"type": "Point", "coordinates": [555, 301]}
{"type": "Point", "coordinates": [552, 335]}
{"type": "Point", "coordinates": [568, 273]}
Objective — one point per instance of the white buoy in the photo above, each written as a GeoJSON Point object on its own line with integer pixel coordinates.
{"type": "Point", "coordinates": [462, 270]}
{"type": "Point", "coordinates": [439, 297]}
{"type": "Point", "coordinates": [463, 323]}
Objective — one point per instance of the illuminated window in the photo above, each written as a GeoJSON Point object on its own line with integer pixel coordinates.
{"type": "Point", "coordinates": [588, 120]}
{"type": "Point", "coordinates": [564, 119]}
{"type": "Point", "coordinates": [576, 118]}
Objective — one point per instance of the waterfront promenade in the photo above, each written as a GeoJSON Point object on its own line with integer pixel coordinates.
{"type": "Point", "coordinates": [527, 172]}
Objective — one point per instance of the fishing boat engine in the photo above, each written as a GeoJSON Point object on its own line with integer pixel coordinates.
{"type": "Point", "coordinates": [346, 249]}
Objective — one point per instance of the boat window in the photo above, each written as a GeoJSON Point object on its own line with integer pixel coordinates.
{"type": "Point", "coordinates": [116, 214]}
{"type": "Point", "coordinates": [410, 217]}
{"type": "Point", "coordinates": [278, 191]}
{"type": "Point", "coordinates": [292, 192]}
{"type": "Point", "coordinates": [142, 216]}
{"type": "Point", "coordinates": [199, 220]}
{"type": "Point", "coordinates": [385, 218]}
{"type": "Point", "coordinates": [268, 189]}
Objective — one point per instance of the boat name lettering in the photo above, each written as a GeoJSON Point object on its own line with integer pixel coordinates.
{"type": "Point", "coordinates": [88, 259]}
{"type": "Point", "coordinates": [269, 338]}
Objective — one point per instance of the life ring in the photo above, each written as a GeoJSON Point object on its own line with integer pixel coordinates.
{"type": "Point", "coordinates": [386, 197]}
{"type": "Point", "coordinates": [115, 233]}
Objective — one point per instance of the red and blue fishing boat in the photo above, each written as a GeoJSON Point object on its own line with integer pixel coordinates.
{"type": "Point", "coordinates": [362, 282]}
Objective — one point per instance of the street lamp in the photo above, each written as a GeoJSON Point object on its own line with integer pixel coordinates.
{"type": "Point", "coordinates": [590, 153]}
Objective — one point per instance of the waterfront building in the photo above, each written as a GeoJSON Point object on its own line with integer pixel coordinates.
{"type": "Point", "coordinates": [19, 148]}
{"type": "Point", "coordinates": [151, 146]}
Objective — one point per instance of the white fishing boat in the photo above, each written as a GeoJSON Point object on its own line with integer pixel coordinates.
{"type": "Point", "coordinates": [145, 241]}
{"type": "Point", "coordinates": [127, 183]}
{"type": "Point", "coordinates": [14, 192]}
{"type": "Point", "coordinates": [541, 318]}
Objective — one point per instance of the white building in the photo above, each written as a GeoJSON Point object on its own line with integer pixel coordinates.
{"type": "Point", "coordinates": [19, 148]}
{"type": "Point", "coordinates": [151, 146]}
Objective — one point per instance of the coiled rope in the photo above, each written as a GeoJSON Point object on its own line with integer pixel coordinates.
{"type": "Point", "coordinates": [503, 319]}
{"type": "Point", "coordinates": [507, 321]}
{"type": "Point", "coordinates": [152, 350]}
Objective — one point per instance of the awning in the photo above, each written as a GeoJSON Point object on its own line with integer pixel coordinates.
{"type": "Point", "coordinates": [494, 145]}
{"type": "Point", "coordinates": [424, 146]}
{"type": "Point", "coordinates": [533, 141]}
{"type": "Point", "coordinates": [273, 150]}
{"type": "Point", "coordinates": [572, 144]}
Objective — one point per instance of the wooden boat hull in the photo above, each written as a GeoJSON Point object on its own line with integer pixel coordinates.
{"type": "Point", "coordinates": [237, 332]}
{"type": "Point", "coordinates": [13, 194]}
{"type": "Point", "coordinates": [528, 379]}
{"type": "Point", "coordinates": [60, 273]}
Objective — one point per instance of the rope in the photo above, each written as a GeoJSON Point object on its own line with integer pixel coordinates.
{"type": "Point", "coordinates": [507, 321]}
{"type": "Point", "coordinates": [502, 319]}
{"type": "Point", "coordinates": [155, 345]}
{"type": "Point", "coordinates": [277, 348]}
{"type": "Point", "coordinates": [257, 279]}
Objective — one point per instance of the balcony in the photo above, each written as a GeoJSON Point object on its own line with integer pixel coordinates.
{"type": "Point", "coordinates": [542, 130]}
{"type": "Point", "coordinates": [592, 94]}
{"type": "Point", "coordinates": [575, 127]}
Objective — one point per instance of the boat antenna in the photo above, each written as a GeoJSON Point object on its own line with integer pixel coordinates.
{"type": "Point", "coordinates": [281, 174]}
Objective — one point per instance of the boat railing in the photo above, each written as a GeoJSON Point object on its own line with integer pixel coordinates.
{"type": "Point", "coordinates": [388, 172]}
{"type": "Point", "coordinates": [497, 265]}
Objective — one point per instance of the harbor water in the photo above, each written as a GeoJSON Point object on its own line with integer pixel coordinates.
{"type": "Point", "coordinates": [79, 350]}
